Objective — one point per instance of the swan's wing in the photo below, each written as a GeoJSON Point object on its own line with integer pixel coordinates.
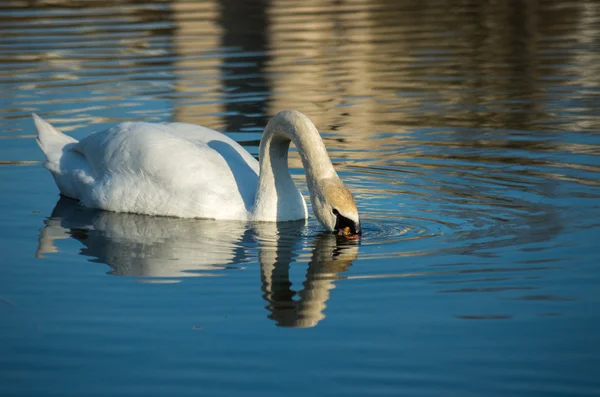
{"type": "Point", "coordinates": [200, 134]}
{"type": "Point", "coordinates": [169, 170]}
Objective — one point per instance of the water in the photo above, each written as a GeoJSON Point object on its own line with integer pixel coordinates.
{"type": "Point", "coordinates": [468, 132]}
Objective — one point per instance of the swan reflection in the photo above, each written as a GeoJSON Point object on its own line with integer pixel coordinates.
{"type": "Point", "coordinates": [145, 246]}
{"type": "Point", "coordinates": [162, 249]}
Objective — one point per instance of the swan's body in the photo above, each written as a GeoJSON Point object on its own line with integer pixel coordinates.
{"type": "Point", "coordinates": [176, 169]}
{"type": "Point", "coordinates": [190, 171]}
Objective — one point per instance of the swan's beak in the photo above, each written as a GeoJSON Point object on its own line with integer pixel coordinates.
{"type": "Point", "coordinates": [347, 227]}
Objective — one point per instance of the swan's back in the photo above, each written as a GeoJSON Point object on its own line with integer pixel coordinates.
{"type": "Point", "coordinates": [172, 169]}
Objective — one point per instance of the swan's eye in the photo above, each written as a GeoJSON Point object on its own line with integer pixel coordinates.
{"type": "Point", "coordinates": [335, 212]}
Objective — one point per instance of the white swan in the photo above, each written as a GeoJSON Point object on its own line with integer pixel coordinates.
{"type": "Point", "coordinates": [189, 171]}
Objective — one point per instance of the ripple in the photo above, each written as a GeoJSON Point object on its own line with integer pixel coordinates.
{"type": "Point", "coordinates": [380, 231]}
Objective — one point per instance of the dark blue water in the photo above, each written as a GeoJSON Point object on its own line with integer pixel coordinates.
{"type": "Point", "coordinates": [468, 133]}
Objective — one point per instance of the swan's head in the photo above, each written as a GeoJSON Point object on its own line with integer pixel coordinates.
{"type": "Point", "coordinates": [334, 207]}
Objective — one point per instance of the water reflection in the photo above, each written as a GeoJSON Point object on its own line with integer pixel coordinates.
{"type": "Point", "coordinates": [331, 255]}
{"type": "Point", "coordinates": [163, 249]}
{"type": "Point", "coordinates": [143, 246]}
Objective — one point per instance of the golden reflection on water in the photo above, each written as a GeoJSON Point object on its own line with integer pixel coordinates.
{"type": "Point", "coordinates": [358, 68]}
{"type": "Point", "coordinates": [197, 77]}
{"type": "Point", "coordinates": [17, 162]}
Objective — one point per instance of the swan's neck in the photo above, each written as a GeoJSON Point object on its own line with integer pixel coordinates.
{"type": "Point", "coordinates": [277, 197]}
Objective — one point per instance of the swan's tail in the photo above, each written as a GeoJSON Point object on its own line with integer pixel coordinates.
{"type": "Point", "coordinates": [63, 164]}
{"type": "Point", "coordinates": [50, 140]}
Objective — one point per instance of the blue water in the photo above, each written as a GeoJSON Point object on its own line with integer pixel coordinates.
{"type": "Point", "coordinates": [469, 135]}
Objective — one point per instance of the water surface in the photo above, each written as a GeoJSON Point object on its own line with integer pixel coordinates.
{"type": "Point", "coordinates": [468, 132]}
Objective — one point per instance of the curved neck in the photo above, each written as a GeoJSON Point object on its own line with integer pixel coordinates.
{"type": "Point", "coordinates": [277, 196]}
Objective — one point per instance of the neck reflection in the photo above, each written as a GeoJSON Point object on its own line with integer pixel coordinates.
{"type": "Point", "coordinates": [331, 255]}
